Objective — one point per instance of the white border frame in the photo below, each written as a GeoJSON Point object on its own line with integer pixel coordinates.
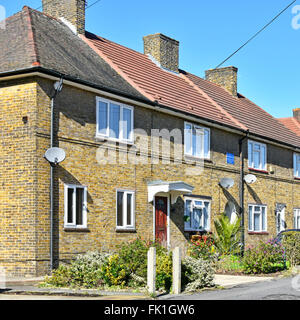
{"type": "Point", "coordinates": [209, 141]}
{"type": "Point", "coordinates": [84, 211]}
{"type": "Point", "coordinates": [133, 226]}
{"type": "Point", "coordinates": [122, 106]}
{"type": "Point", "coordinates": [251, 165]}
{"type": "Point", "coordinates": [209, 215]}
{"type": "Point", "coordinates": [260, 220]}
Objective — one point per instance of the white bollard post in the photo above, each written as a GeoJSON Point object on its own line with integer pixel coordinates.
{"type": "Point", "coordinates": [176, 270]}
{"type": "Point", "coordinates": [151, 270]}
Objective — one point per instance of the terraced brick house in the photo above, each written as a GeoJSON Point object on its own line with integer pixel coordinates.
{"type": "Point", "coordinates": [116, 183]}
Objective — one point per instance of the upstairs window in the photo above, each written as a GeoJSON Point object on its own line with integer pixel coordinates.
{"type": "Point", "coordinates": [296, 165]}
{"type": "Point", "coordinates": [75, 206]}
{"type": "Point", "coordinates": [257, 155]}
{"type": "Point", "coordinates": [196, 141]}
{"type": "Point", "coordinates": [125, 210]}
{"type": "Point", "coordinates": [114, 120]}
{"type": "Point", "coordinates": [197, 215]}
{"type": "Point", "coordinates": [257, 218]}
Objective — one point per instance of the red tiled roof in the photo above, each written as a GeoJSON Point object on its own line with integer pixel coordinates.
{"type": "Point", "coordinates": [189, 93]}
{"type": "Point", "coordinates": [168, 88]}
{"type": "Point", "coordinates": [292, 124]}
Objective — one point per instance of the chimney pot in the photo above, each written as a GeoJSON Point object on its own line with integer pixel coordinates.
{"type": "Point", "coordinates": [224, 77]}
{"type": "Point", "coordinates": [163, 49]}
{"type": "Point", "coordinates": [71, 10]}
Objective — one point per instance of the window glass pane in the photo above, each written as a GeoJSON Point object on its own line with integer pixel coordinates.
{"type": "Point", "coordinates": [120, 208]}
{"type": "Point", "coordinates": [188, 139]}
{"type": "Point", "coordinates": [206, 216]}
{"type": "Point", "coordinates": [129, 209]}
{"type": "Point", "coordinates": [206, 143]}
{"type": "Point", "coordinates": [256, 159]}
{"type": "Point", "coordinates": [102, 121]}
{"type": "Point", "coordinates": [256, 222]}
{"type": "Point", "coordinates": [263, 212]}
{"type": "Point", "coordinates": [250, 154]}
{"type": "Point", "coordinates": [197, 217]}
{"type": "Point", "coordinates": [250, 225]}
{"type": "Point", "coordinates": [79, 206]}
{"type": "Point", "coordinates": [114, 120]}
{"type": "Point", "coordinates": [263, 157]}
{"type": "Point", "coordinates": [70, 205]}
{"type": "Point", "coordinates": [188, 210]}
{"type": "Point", "coordinates": [198, 142]}
{"type": "Point", "coordinates": [127, 125]}
{"type": "Point", "coordinates": [198, 203]}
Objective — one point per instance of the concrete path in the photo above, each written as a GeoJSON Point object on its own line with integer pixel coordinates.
{"type": "Point", "coordinates": [228, 281]}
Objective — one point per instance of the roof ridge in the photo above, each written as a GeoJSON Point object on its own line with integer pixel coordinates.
{"type": "Point", "coordinates": [191, 83]}
{"type": "Point", "coordinates": [115, 67]}
{"type": "Point", "coordinates": [31, 38]}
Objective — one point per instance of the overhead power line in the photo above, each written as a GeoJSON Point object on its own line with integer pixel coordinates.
{"type": "Point", "coordinates": [256, 34]}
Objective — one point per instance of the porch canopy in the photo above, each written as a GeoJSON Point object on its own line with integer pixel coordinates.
{"type": "Point", "coordinates": [175, 189]}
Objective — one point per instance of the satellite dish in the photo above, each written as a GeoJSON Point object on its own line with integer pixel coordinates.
{"type": "Point", "coordinates": [227, 183]}
{"type": "Point", "coordinates": [250, 178]}
{"type": "Point", "coordinates": [55, 155]}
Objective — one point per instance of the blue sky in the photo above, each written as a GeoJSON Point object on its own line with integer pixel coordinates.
{"type": "Point", "coordinates": [209, 31]}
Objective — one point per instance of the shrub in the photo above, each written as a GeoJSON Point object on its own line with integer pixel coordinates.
{"type": "Point", "coordinates": [61, 277]}
{"type": "Point", "coordinates": [229, 263]}
{"type": "Point", "coordinates": [227, 239]}
{"type": "Point", "coordinates": [291, 244]}
{"type": "Point", "coordinates": [202, 247]}
{"type": "Point", "coordinates": [197, 274]}
{"type": "Point", "coordinates": [164, 271]}
{"type": "Point", "coordinates": [113, 272]}
{"type": "Point", "coordinates": [84, 271]}
{"type": "Point", "coordinates": [265, 257]}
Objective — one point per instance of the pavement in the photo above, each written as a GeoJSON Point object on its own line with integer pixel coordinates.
{"type": "Point", "coordinates": [27, 289]}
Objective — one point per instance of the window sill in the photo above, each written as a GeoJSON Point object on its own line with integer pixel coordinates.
{"type": "Point", "coordinates": [263, 233]}
{"type": "Point", "coordinates": [125, 230]}
{"type": "Point", "coordinates": [258, 170]}
{"type": "Point", "coordinates": [72, 229]}
{"type": "Point", "coordinates": [112, 140]}
{"type": "Point", "coordinates": [189, 157]}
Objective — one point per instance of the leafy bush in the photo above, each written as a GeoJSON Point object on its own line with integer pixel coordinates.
{"type": "Point", "coordinates": [84, 271]}
{"type": "Point", "coordinates": [113, 272]}
{"type": "Point", "coordinates": [197, 274]}
{"type": "Point", "coordinates": [291, 244]}
{"type": "Point", "coordinates": [61, 277]}
{"type": "Point", "coordinates": [164, 271]}
{"type": "Point", "coordinates": [133, 255]}
{"type": "Point", "coordinates": [227, 239]}
{"type": "Point", "coordinates": [265, 257]}
{"type": "Point", "coordinates": [229, 263]}
{"type": "Point", "coordinates": [202, 247]}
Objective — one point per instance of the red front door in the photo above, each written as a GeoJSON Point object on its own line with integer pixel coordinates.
{"type": "Point", "coordinates": [161, 213]}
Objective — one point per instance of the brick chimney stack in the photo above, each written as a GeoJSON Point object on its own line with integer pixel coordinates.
{"type": "Point", "coordinates": [71, 10]}
{"type": "Point", "coordinates": [163, 49]}
{"type": "Point", "coordinates": [225, 77]}
{"type": "Point", "coordinates": [296, 113]}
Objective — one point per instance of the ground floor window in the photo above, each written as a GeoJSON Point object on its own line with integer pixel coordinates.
{"type": "Point", "coordinates": [257, 218]}
{"type": "Point", "coordinates": [125, 209]}
{"type": "Point", "coordinates": [75, 206]}
{"type": "Point", "coordinates": [296, 218]}
{"type": "Point", "coordinates": [197, 214]}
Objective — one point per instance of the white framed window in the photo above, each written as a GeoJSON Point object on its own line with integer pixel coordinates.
{"type": "Point", "coordinates": [75, 206]}
{"type": "Point", "coordinates": [125, 209]}
{"type": "Point", "coordinates": [196, 141]}
{"type": "Point", "coordinates": [297, 165]}
{"type": "Point", "coordinates": [257, 155]}
{"type": "Point", "coordinates": [114, 120]}
{"type": "Point", "coordinates": [257, 218]}
{"type": "Point", "coordinates": [197, 214]}
{"type": "Point", "coordinates": [296, 218]}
